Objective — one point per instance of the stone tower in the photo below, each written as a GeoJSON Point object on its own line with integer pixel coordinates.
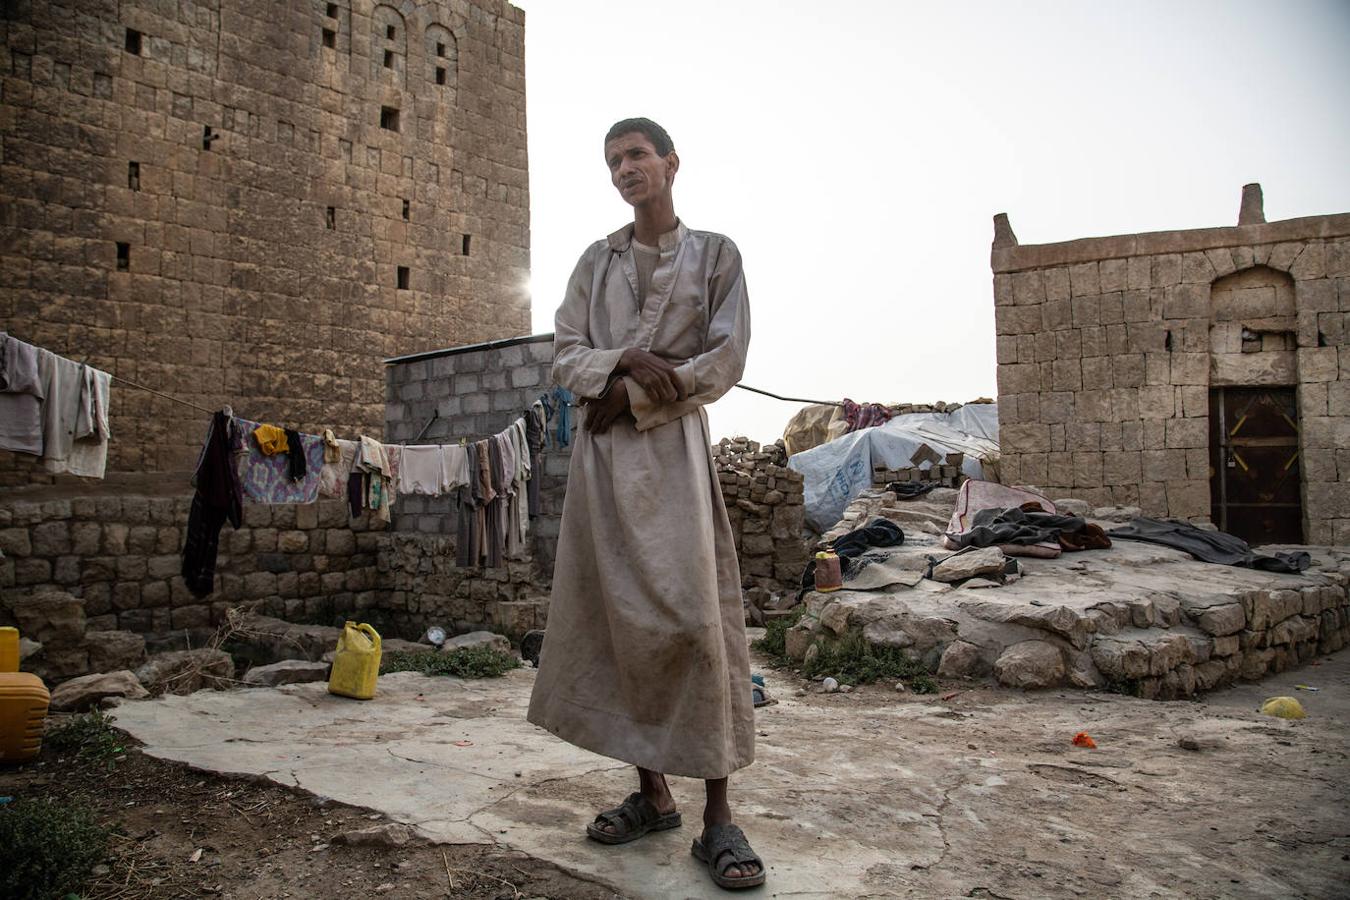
{"type": "Point", "coordinates": [254, 203]}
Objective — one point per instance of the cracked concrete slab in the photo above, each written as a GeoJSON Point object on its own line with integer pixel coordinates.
{"type": "Point", "coordinates": [870, 794]}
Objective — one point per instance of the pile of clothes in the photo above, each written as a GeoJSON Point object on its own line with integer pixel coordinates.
{"type": "Point", "coordinates": [54, 408]}
{"type": "Point", "coordinates": [1017, 521]}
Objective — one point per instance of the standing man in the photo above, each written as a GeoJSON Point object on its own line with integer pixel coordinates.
{"type": "Point", "coordinates": [645, 659]}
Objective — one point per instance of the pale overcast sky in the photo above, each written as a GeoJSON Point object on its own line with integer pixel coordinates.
{"type": "Point", "coordinates": [856, 152]}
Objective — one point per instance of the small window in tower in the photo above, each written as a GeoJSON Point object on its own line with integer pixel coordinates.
{"type": "Point", "coordinates": [407, 208]}
{"type": "Point", "coordinates": [207, 137]}
{"type": "Point", "coordinates": [389, 118]}
{"type": "Point", "coordinates": [389, 59]}
{"type": "Point", "coordinates": [464, 245]}
{"type": "Point", "coordinates": [330, 218]}
{"type": "Point", "coordinates": [134, 176]}
{"type": "Point", "coordinates": [440, 49]}
{"type": "Point", "coordinates": [440, 74]}
{"type": "Point", "coordinates": [329, 38]}
{"type": "Point", "coordinates": [133, 41]}
{"type": "Point", "coordinates": [332, 10]}
{"type": "Point", "coordinates": [402, 278]}
{"type": "Point", "coordinates": [123, 256]}
{"type": "Point", "coordinates": [390, 32]}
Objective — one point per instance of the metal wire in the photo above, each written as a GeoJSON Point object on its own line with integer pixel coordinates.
{"type": "Point", "coordinates": [746, 387]}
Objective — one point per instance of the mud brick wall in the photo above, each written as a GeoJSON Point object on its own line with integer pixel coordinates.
{"type": "Point", "coordinates": [764, 504]}
{"type": "Point", "coordinates": [252, 202]}
{"type": "Point", "coordinates": [121, 554]}
{"type": "Point", "coordinates": [1108, 348]}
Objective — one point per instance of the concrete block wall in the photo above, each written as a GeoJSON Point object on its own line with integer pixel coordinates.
{"type": "Point", "coordinates": [472, 392]}
{"type": "Point", "coordinates": [296, 196]}
{"type": "Point", "coordinates": [1108, 347]}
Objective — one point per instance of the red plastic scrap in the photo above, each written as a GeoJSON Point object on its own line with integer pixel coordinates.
{"type": "Point", "coordinates": [1083, 739]}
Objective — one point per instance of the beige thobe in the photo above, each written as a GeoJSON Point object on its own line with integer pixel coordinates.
{"type": "Point", "coordinates": [645, 658]}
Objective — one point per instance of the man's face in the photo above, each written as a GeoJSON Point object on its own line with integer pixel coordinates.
{"type": "Point", "coordinates": [635, 169]}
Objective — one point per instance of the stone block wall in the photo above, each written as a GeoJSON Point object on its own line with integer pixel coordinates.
{"type": "Point", "coordinates": [121, 554]}
{"type": "Point", "coordinates": [1108, 348]}
{"type": "Point", "coordinates": [255, 203]}
{"type": "Point", "coordinates": [764, 505]}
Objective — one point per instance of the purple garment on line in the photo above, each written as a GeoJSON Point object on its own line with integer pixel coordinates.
{"type": "Point", "coordinates": [266, 479]}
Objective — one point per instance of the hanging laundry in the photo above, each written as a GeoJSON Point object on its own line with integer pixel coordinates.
{"type": "Point", "coordinates": [271, 439]}
{"type": "Point", "coordinates": [21, 397]}
{"type": "Point", "coordinates": [562, 399]}
{"type": "Point", "coordinates": [423, 471]}
{"type": "Point", "coordinates": [88, 452]}
{"type": "Point", "coordinates": [467, 546]}
{"type": "Point", "coordinates": [335, 473]}
{"type": "Point", "coordinates": [218, 499]}
{"type": "Point", "coordinates": [267, 479]}
{"type": "Point", "coordinates": [454, 466]}
{"type": "Point", "coordinates": [332, 452]}
{"type": "Point", "coordinates": [62, 386]}
{"type": "Point", "coordinates": [374, 461]}
{"type": "Point", "coordinates": [495, 519]}
{"type": "Point", "coordinates": [517, 511]}
{"type": "Point", "coordinates": [295, 456]}
{"type": "Point", "coordinates": [534, 440]}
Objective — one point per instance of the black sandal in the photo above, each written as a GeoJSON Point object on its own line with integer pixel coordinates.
{"type": "Point", "coordinates": [724, 846]}
{"type": "Point", "coordinates": [631, 820]}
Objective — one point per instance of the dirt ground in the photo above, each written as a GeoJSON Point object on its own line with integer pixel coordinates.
{"type": "Point", "coordinates": [974, 792]}
{"type": "Point", "coordinates": [261, 840]}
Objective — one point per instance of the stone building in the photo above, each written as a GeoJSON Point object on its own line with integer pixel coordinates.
{"type": "Point", "coordinates": [255, 203]}
{"type": "Point", "coordinates": [1201, 374]}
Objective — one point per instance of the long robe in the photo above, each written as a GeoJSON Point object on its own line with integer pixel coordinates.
{"type": "Point", "coordinates": [645, 657]}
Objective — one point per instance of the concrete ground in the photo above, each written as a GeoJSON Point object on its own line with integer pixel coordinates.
{"type": "Point", "coordinates": [869, 794]}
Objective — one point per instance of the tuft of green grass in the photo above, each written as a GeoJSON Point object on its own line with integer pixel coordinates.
{"type": "Point", "coordinates": [47, 848]}
{"type": "Point", "coordinates": [90, 736]}
{"type": "Point", "coordinates": [852, 660]}
{"type": "Point", "coordinates": [470, 662]}
{"type": "Point", "coordinates": [774, 642]}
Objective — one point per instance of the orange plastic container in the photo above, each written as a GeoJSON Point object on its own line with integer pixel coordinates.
{"type": "Point", "coordinates": [9, 649]}
{"type": "Point", "coordinates": [23, 709]}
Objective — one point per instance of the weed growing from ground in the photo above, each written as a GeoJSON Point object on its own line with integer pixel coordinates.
{"type": "Point", "coordinates": [90, 736]}
{"type": "Point", "coordinates": [47, 848]}
{"type": "Point", "coordinates": [852, 660]}
{"type": "Point", "coordinates": [774, 642]}
{"type": "Point", "coordinates": [469, 662]}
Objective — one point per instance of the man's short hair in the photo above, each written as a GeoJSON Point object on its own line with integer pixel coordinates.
{"type": "Point", "coordinates": [655, 133]}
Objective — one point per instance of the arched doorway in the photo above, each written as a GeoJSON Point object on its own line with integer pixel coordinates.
{"type": "Point", "coordinates": [1255, 484]}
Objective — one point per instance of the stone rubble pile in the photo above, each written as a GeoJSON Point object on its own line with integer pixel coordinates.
{"type": "Point", "coordinates": [764, 503]}
{"type": "Point", "coordinates": [67, 646]}
{"type": "Point", "coordinates": [929, 467]}
{"type": "Point", "coordinates": [928, 514]}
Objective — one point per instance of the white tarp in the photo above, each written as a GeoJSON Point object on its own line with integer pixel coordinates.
{"type": "Point", "coordinates": [839, 471]}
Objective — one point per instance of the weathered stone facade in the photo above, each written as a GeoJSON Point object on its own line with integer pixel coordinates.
{"type": "Point", "coordinates": [254, 203]}
{"type": "Point", "coordinates": [120, 554]}
{"type": "Point", "coordinates": [1109, 351]}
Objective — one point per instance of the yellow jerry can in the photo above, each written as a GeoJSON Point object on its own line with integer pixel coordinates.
{"type": "Point", "coordinates": [356, 666]}
{"type": "Point", "coordinates": [9, 649]}
{"type": "Point", "coordinates": [23, 709]}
